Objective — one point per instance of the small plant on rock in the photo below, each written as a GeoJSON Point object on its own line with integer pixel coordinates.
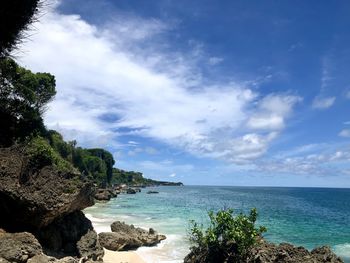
{"type": "Point", "coordinates": [228, 238]}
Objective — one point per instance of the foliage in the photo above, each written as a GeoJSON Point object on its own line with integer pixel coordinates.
{"type": "Point", "coordinates": [41, 154]}
{"type": "Point", "coordinates": [23, 96]}
{"type": "Point", "coordinates": [228, 237]}
{"type": "Point", "coordinates": [133, 178]}
{"type": "Point", "coordinates": [95, 164]}
{"type": "Point", "coordinates": [15, 16]}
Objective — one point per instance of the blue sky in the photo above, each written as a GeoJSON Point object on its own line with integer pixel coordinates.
{"type": "Point", "coordinates": [203, 92]}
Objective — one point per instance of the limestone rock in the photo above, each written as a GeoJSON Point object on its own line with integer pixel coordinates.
{"type": "Point", "coordinates": [33, 199]}
{"type": "Point", "coordinates": [126, 237]}
{"type": "Point", "coordinates": [18, 247]}
{"type": "Point", "coordinates": [89, 247]}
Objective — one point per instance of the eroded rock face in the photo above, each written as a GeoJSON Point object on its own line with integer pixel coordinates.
{"type": "Point", "coordinates": [267, 252]}
{"type": "Point", "coordinates": [89, 247]}
{"type": "Point", "coordinates": [18, 247]}
{"type": "Point", "coordinates": [46, 203]}
{"type": "Point", "coordinates": [72, 235]}
{"type": "Point", "coordinates": [127, 237]}
{"type": "Point", "coordinates": [33, 199]}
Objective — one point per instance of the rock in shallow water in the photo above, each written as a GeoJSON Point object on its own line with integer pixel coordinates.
{"type": "Point", "coordinates": [127, 237]}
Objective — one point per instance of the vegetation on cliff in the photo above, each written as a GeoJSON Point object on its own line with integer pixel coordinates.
{"type": "Point", "coordinates": [228, 238]}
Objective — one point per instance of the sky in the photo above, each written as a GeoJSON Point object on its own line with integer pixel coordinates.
{"type": "Point", "coordinates": [246, 93]}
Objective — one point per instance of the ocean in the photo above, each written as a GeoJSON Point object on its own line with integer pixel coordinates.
{"type": "Point", "coordinates": [306, 217]}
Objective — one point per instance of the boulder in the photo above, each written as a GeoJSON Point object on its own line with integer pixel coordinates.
{"type": "Point", "coordinates": [72, 234]}
{"type": "Point", "coordinates": [130, 191]}
{"type": "Point", "coordinates": [31, 199]}
{"type": "Point", "coordinates": [103, 195]}
{"type": "Point", "coordinates": [126, 237]}
{"type": "Point", "coordinates": [89, 247]}
{"type": "Point", "coordinates": [18, 247]}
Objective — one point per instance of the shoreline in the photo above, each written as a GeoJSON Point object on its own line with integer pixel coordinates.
{"type": "Point", "coordinates": [122, 257]}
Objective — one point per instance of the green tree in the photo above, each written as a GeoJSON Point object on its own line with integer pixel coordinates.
{"type": "Point", "coordinates": [228, 238]}
{"type": "Point", "coordinates": [23, 97]}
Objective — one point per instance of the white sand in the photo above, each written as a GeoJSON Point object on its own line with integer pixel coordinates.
{"type": "Point", "coordinates": [121, 257]}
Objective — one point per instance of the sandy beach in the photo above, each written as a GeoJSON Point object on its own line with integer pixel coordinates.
{"type": "Point", "coordinates": [122, 257]}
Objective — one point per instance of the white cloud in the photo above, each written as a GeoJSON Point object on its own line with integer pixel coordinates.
{"type": "Point", "coordinates": [347, 94]}
{"type": "Point", "coordinates": [323, 102]}
{"type": "Point", "coordinates": [172, 175]}
{"type": "Point", "coordinates": [345, 133]}
{"type": "Point", "coordinates": [149, 94]}
{"type": "Point", "coordinates": [272, 112]}
{"type": "Point", "coordinates": [319, 162]}
{"type": "Point", "coordinates": [215, 60]}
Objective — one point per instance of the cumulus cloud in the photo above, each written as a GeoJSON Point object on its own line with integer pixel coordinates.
{"type": "Point", "coordinates": [105, 89]}
{"type": "Point", "coordinates": [323, 102]}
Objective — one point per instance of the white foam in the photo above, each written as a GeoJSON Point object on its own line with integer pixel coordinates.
{"type": "Point", "coordinates": [343, 251]}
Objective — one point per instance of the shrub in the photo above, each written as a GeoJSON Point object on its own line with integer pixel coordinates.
{"type": "Point", "coordinates": [41, 154]}
{"type": "Point", "coordinates": [228, 238]}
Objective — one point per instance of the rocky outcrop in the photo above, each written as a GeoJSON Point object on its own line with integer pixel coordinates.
{"type": "Point", "coordinates": [265, 252]}
{"type": "Point", "coordinates": [33, 199]}
{"type": "Point", "coordinates": [127, 237]}
{"type": "Point", "coordinates": [72, 235]}
{"type": "Point", "coordinates": [46, 203]}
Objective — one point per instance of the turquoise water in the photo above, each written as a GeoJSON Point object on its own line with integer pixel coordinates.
{"type": "Point", "coordinates": [302, 216]}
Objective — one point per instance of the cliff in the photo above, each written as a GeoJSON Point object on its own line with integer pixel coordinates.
{"type": "Point", "coordinates": [45, 202]}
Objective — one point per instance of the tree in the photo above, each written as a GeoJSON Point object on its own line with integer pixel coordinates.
{"type": "Point", "coordinates": [23, 97]}
{"type": "Point", "coordinates": [107, 157]}
{"type": "Point", "coordinates": [15, 17]}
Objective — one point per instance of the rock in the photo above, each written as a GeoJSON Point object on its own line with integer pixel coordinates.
{"type": "Point", "coordinates": [137, 190]}
{"type": "Point", "coordinates": [72, 234]}
{"type": "Point", "coordinates": [130, 191]}
{"type": "Point", "coordinates": [118, 242]}
{"type": "Point", "coordinates": [33, 199]}
{"type": "Point", "coordinates": [325, 254]}
{"type": "Point", "coordinates": [126, 237]}
{"type": "Point", "coordinates": [18, 247]}
{"type": "Point", "coordinates": [266, 252]}
{"type": "Point", "coordinates": [103, 195]}
{"type": "Point", "coordinates": [89, 247]}
{"type": "Point", "coordinates": [152, 192]}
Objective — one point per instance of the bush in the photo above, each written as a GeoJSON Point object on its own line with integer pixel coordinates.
{"type": "Point", "coordinates": [41, 154]}
{"type": "Point", "coordinates": [228, 238]}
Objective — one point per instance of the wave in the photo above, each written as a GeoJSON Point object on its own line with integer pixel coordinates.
{"type": "Point", "coordinates": [343, 251]}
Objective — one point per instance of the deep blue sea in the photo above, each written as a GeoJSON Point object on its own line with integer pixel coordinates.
{"type": "Point", "coordinates": [308, 217]}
